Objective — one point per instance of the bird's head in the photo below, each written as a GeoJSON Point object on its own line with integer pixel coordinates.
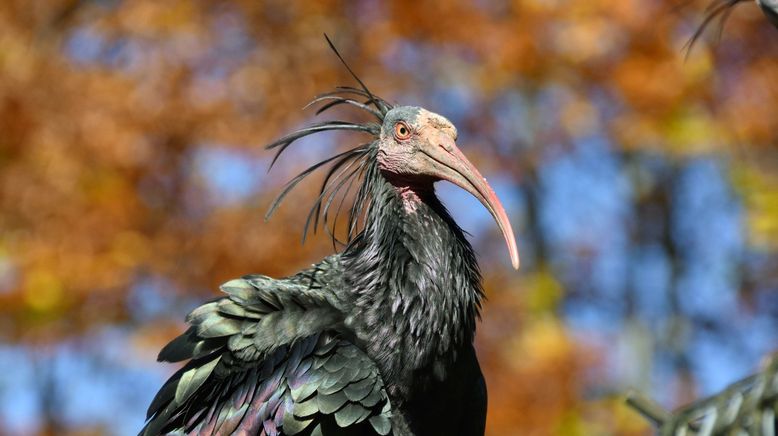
{"type": "Point", "coordinates": [410, 147]}
{"type": "Point", "coordinates": [412, 142]}
{"type": "Point", "coordinates": [418, 147]}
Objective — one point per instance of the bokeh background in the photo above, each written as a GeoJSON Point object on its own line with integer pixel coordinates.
{"type": "Point", "coordinates": [642, 185]}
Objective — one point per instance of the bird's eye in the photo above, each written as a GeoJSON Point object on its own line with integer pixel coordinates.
{"type": "Point", "coordinates": [402, 131]}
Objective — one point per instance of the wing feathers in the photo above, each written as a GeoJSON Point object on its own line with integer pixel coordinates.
{"type": "Point", "coordinates": [261, 363]}
{"type": "Point", "coordinates": [381, 424]}
{"type": "Point", "coordinates": [217, 326]}
{"type": "Point", "coordinates": [193, 379]}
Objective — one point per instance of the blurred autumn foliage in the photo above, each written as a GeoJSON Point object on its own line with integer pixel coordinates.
{"type": "Point", "coordinates": [643, 186]}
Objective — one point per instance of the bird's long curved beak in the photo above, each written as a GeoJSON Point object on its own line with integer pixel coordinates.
{"type": "Point", "coordinates": [454, 167]}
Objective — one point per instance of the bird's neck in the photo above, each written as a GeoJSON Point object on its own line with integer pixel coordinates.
{"type": "Point", "coordinates": [417, 283]}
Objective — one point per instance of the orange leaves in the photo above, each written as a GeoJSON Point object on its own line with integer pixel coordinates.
{"type": "Point", "coordinates": [534, 378]}
{"type": "Point", "coordinates": [648, 82]}
{"type": "Point", "coordinates": [534, 367]}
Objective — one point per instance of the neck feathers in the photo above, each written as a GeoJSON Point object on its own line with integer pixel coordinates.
{"type": "Point", "coordinates": [417, 280]}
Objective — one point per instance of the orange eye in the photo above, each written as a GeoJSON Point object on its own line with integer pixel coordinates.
{"type": "Point", "coordinates": [402, 131]}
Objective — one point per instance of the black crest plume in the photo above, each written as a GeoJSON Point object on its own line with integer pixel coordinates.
{"type": "Point", "coordinates": [353, 166]}
{"type": "Point", "coordinates": [717, 8]}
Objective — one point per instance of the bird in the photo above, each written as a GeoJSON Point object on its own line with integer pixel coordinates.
{"type": "Point", "coordinates": [376, 338]}
{"type": "Point", "coordinates": [723, 8]}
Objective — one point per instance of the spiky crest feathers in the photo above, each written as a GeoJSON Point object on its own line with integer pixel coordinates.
{"type": "Point", "coordinates": [354, 165]}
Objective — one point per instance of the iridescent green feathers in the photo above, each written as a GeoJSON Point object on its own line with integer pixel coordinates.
{"type": "Point", "coordinates": [260, 362]}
